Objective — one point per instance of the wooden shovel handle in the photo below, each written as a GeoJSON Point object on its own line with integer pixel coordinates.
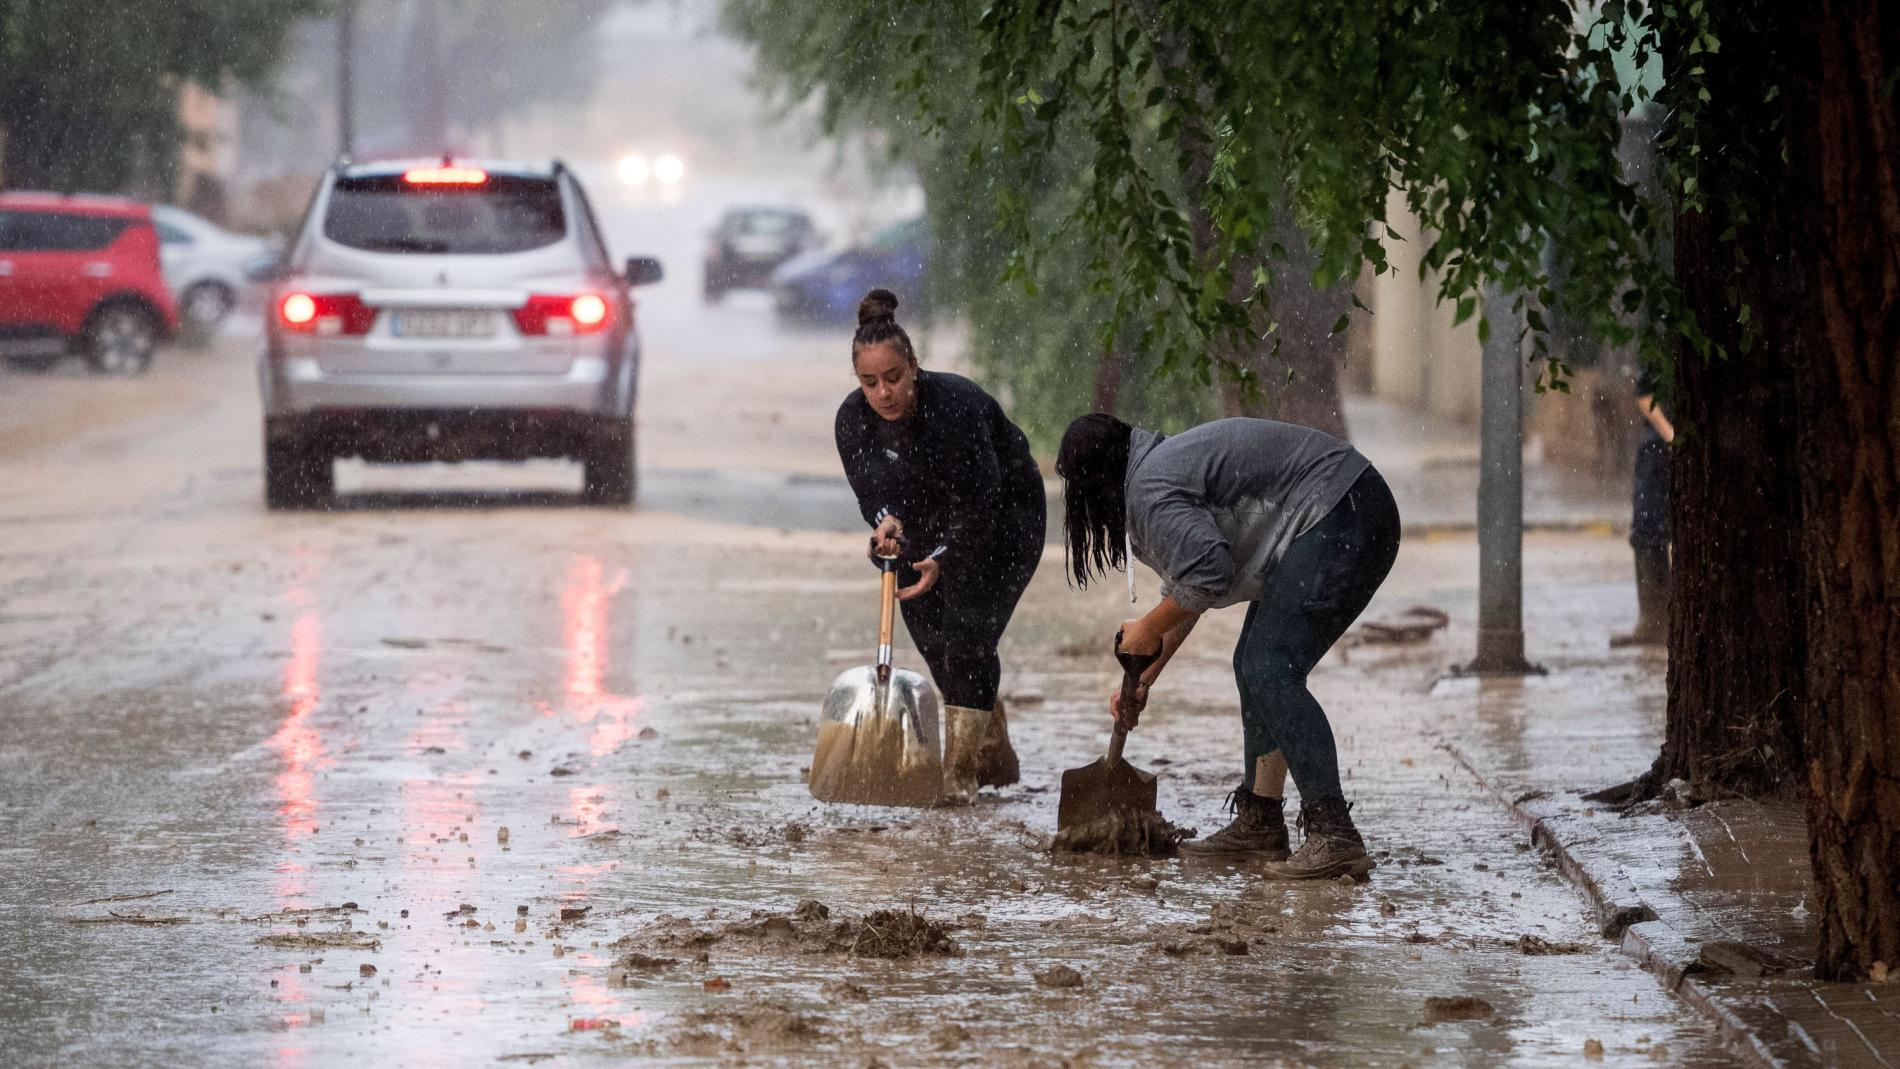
{"type": "Point", "coordinates": [887, 614]}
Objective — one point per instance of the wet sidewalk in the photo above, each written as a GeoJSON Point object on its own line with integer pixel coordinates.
{"type": "Point", "coordinates": [1713, 897]}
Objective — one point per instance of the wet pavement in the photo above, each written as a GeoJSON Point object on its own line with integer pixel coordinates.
{"type": "Point", "coordinates": [1710, 894]}
{"type": "Point", "coordinates": [390, 783]}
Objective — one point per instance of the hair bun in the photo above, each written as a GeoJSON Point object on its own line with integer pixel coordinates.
{"type": "Point", "coordinates": [879, 305]}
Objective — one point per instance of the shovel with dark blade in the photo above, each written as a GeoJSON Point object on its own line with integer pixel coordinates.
{"type": "Point", "coordinates": [1109, 786]}
{"type": "Point", "coordinates": [877, 740]}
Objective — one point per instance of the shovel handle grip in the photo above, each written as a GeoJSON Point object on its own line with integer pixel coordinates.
{"type": "Point", "coordinates": [1133, 665]}
{"type": "Point", "coordinates": [887, 613]}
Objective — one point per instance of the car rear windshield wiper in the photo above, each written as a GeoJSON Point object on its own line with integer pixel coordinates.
{"type": "Point", "coordinates": [403, 245]}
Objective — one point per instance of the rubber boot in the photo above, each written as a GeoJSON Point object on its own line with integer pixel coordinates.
{"type": "Point", "coordinates": [1332, 848]}
{"type": "Point", "coordinates": [1652, 599]}
{"type": "Point", "coordinates": [1257, 833]}
{"type": "Point", "coordinates": [996, 764]}
{"type": "Point", "coordinates": [965, 731]}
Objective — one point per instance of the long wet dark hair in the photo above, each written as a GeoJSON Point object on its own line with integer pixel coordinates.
{"type": "Point", "coordinates": [1093, 463]}
{"type": "Point", "coordinates": [877, 324]}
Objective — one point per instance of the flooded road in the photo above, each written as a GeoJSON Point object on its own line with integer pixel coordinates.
{"type": "Point", "coordinates": [495, 777]}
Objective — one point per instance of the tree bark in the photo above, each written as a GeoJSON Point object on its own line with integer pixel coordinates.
{"type": "Point", "coordinates": [1737, 637]}
{"type": "Point", "coordinates": [1297, 366]}
{"type": "Point", "coordinates": [1109, 372]}
{"type": "Point", "coordinates": [1849, 127]}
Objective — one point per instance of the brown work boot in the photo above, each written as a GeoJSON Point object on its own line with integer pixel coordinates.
{"type": "Point", "coordinates": [1258, 832]}
{"type": "Point", "coordinates": [1332, 848]}
{"type": "Point", "coordinates": [964, 732]}
{"type": "Point", "coordinates": [996, 764]}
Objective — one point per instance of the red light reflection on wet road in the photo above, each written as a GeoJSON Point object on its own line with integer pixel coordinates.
{"type": "Point", "coordinates": [586, 635]}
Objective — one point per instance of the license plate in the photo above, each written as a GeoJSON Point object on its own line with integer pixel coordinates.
{"type": "Point", "coordinates": [446, 323]}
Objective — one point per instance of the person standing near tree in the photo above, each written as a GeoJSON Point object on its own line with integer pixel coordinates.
{"type": "Point", "coordinates": [1289, 520]}
{"type": "Point", "coordinates": [947, 484]}
{"type": "Point", "coordinates": [1649, 521]}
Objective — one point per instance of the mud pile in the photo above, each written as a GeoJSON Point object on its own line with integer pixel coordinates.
{"type": "Point", "coordinates": [809, 929]}
{"type": "Point", "coordinates": [1123, 833]}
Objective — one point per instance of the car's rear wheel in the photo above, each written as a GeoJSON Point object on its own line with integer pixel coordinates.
{"type": "Point", "coordinates": [611, 474]}
{"type": "Point", "coordinates": [297, 474]}
{"type": "Point", "coordinates": [120, 340]}
{"type": "Point", "coordinates": [203, 309]}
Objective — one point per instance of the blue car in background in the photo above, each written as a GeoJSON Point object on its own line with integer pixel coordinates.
{"type": "Point", "coordinates": [825, 287]}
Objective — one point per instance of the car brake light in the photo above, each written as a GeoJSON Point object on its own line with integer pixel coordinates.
{"type": "Point", "coordinates": [325, 313]}
{"type": "Point", "coordinates": [445, 176]}
{"type": "Point", "coordinates": [545, 314]}
{"type": "Point", "coordinates": [299, 310]}
{"type": "Point", "coordinates": [589, 310]}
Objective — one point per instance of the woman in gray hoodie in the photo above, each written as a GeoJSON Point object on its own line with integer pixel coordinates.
{"type": "Point", "coordinates": [1292, 521]}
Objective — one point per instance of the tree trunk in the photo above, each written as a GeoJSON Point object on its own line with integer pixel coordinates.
{"type": "Point", "coordinates": [1737, 647]}
{"type": "Point", "coordinates": [1109, 372]}
{"type": "Point", "coordinates": [1849, 128]}
{"type": "Point", "coordinates": [1297, 366]}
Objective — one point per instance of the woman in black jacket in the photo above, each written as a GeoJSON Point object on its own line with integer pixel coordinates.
{"type": "Point", "coordinates": [947, 483]}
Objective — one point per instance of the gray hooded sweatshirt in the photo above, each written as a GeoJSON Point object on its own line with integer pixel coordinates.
{"type": "Point", "coordinates": [1213, 509]}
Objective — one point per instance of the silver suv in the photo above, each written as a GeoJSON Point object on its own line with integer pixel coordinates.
{"type": "Point", "coordinates": [449, 310]}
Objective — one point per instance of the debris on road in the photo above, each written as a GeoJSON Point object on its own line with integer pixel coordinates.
{"type": "Point", "coordinates": [1440, 1009]}
{"type": "Point", "coordinates": [1123, 833]}
{"type": "Point", "coordinates": [338, 940]}
{"type": "Point", "coordinates": [1059, 976]}
{"type": "Point", "coordinates": [886, 933]}
{"type": "Point", "coordinates": [1415, 625]}
{"type": "Point", "coordinates": [1537, 946]}
{"type": "Point", "coordinates": [127, 918]}
{"type": "Point", "coordinates": [141, 896]}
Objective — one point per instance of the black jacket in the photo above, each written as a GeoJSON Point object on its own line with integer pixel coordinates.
{"type": "Point", "coordinates": [949, 472]}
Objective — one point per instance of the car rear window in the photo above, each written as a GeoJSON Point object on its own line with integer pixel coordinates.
{"type": "Point", "coordinates": [502, 214]}
{"type": "Point", "coordinates": [762, 223]}
{"type": "Point", "coordinates": [58, 231]}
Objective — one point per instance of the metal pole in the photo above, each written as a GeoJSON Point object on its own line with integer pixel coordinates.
{"type": "Point", "coordinates": [346, 77]}
{"type": "Point", "coordinates": [1501, 495]}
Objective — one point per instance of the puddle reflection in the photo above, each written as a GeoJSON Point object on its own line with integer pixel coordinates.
{"type": "Point", "coordinates": [586, 634]}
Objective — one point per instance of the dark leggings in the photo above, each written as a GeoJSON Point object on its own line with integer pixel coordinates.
{"type": "Point", "coordinates": [1314, 593]}
{"type": "Point", "coordinates": [958, 623]}
{"type": "Point", "coordinates": [1649, 494]}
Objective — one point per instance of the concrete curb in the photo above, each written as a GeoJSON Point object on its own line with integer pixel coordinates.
{"type": "Point", "coordinates": [1622, 913]}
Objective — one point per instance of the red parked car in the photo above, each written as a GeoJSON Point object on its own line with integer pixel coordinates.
{"type": "Point", "coordinates": [81, 273]}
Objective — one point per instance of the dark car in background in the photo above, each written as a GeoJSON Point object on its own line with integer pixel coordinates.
{"type": "Point", "coordinates": [81, 273]}
{"type": "Point", "coordinates": [826, 286]}
{"type": "Point", "coordinates": [750, 243]}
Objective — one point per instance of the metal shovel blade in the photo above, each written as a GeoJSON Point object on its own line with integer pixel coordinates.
{"type": "Point", "coordinates": [878, 741]}
{"type": "Point", "coordinates": [1104, 786]}
{"type": "Point", "coordinates": [1109, 784]}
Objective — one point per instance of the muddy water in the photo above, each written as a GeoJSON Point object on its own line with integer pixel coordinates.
{"type": "Point", "coordinates": [387, 786]}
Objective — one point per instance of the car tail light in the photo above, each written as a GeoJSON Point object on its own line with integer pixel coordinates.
{"type": "Point", "coordinates": [325, 313]}
{"type": "Point", "coordinates": [587, 313]}
{"type": "Point", "coordinates": [445, 176]}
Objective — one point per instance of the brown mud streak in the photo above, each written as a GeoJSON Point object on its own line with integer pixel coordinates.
{"type": "Point", "coordinates": [871, 763]}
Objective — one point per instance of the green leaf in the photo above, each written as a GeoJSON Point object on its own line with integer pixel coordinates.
{"type": "Point", "coordinates": [1467, 306]}
{"type": "Point", "coordinates": [1340, 324]}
